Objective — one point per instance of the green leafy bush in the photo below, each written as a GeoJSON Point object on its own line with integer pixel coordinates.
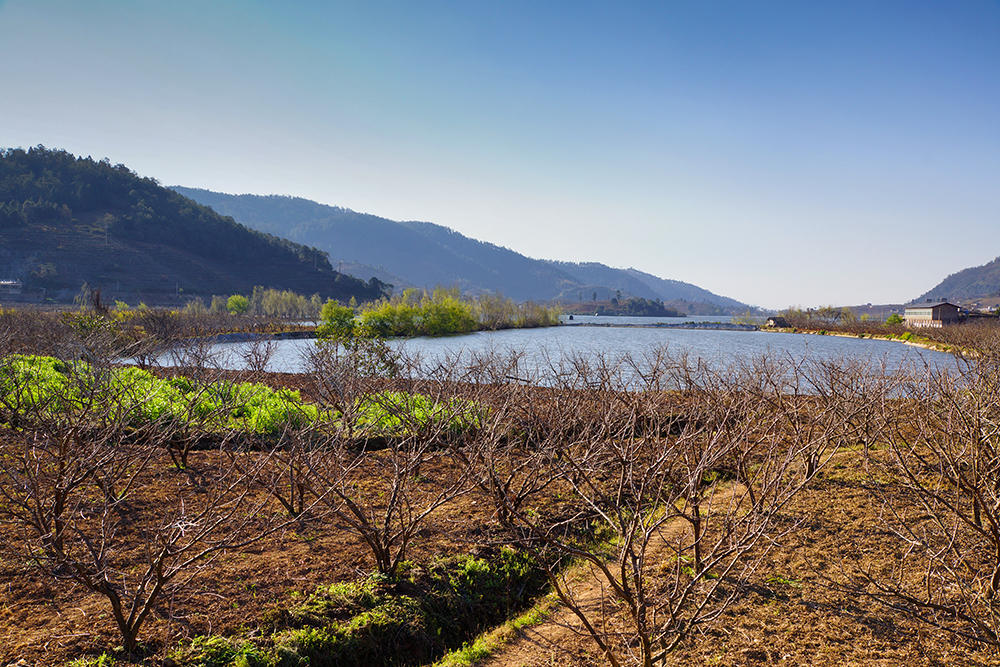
{"type": "Point", "coordinates": [409, 621]}
{"type": "Point", "coordinates": [338, 321]}
{"type": "Point", "coordinates": [401, 413]}
{"type": "Point", "coordinates": [47, 385]}
{"type": "Point", "coordinates": [237, 304]}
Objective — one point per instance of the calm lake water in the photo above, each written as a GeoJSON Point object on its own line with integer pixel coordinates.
{"type": "Point", "coordinates": [548, 346]}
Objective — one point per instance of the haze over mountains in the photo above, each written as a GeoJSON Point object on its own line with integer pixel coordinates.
{"type": "Point", "coordinates": [426, 254]}
{"type": "Point", "coordinates": [66, 220]}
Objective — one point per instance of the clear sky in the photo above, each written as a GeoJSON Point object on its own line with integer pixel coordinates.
{"type": "Point", "coordinates": [780, 153]}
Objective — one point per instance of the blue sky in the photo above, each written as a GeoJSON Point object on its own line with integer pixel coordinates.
{"type": "Point", "coordinates": [780, 153]}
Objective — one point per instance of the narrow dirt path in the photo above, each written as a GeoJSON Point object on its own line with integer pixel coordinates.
{"type": "Point", "coordinates": [561, 639]}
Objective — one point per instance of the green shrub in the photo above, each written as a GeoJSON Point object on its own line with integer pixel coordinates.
{"type": "Point", "coordinates": [237, 304]}
{"type": "Point", "coordinates": [219, 652]}
{"type": "Point", "coordinates": [419, 313]}
{"type": "Point", "coordinates": [410, 621]}
{"type": "Point", "coordinates": [338, 321]}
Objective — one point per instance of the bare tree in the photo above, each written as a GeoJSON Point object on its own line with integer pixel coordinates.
{"type": "Point", "coordinates": [384, 496]}
{"type": "Point", "coordinates": [287, 477]}
{"type": "Point", "coordinates": [944, 452]}
{"type": "Point", "coordinates": [72, 482]}
{"type": "Point", "coordinates": [257, 354]}
{"type": "Point", "coordinates": [344, 371]}
{"type": "Point", "coordinates": [196, 355]}
{"type": "Point", "coordinates": [681, 533]}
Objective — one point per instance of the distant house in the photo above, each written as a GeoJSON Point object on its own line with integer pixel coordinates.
{"type": "Point", "coordinates": [10, 286]}
{"type": "Point", "coordinates": [931, 314]}
{"type": "Point", "coordinates": [777, 321]}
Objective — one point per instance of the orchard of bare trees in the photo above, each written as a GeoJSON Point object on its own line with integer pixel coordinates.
{"type": "Point", "coordinates": [650, 509]}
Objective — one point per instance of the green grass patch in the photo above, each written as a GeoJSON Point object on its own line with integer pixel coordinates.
{"type": "Point", "coordinates": [488, 643]}
{"type": "Point", "coordinates": [411, 620]}
{"type": "Point", "coordinates": [220, 652]}
{"type": "Point", "coordinates": [103, 660]}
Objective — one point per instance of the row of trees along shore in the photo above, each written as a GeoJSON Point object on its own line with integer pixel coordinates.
{"type": "Point", "coordinates": [416, 312]}
{"type": "Point", "coordinates": [671, 481]}
{"type": "Point", "coordinates": [966, 335]}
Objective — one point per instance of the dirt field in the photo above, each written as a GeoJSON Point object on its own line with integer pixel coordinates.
{"type": "Point", "coordinates": [791, 610]}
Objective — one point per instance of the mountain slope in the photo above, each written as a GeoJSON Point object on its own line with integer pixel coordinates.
{"type": "Point", "coordinates": [66, 220]}
{"type": "Point", "coordinates": [593, 275]}
{"type": "Point", "coordinates": [421, 252]}
{"type": "Point", "coordinates": [603, 280]}
{"type": "Point", "coordinates": [976, 282]}
{"type": "Point", "coordinates": [426, 254]}
{"type": "Point", "coordinates": [672, 290]}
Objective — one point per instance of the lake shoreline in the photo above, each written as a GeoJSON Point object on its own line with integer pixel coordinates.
{"type": "Point", "coordinates": [922, 344]}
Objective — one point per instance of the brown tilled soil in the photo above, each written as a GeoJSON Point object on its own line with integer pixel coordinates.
{"type": "Point", "coordinates": [791, 612]}
{"type": "Point", "coordinates": [49, 622]}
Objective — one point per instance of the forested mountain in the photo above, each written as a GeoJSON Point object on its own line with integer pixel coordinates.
{"type": "Point", "coordinates": [423, 253]}
{"type": "Point", "coordinates": [66, 220]}
{"type": "Point", "coordinates": [673, 290]}
{"type": "Point", "coordinates": [978, 282]}
{"type": "Point", "coordinates": [427, 254]}
{"type": "Point", "coordinates": [605, 280]}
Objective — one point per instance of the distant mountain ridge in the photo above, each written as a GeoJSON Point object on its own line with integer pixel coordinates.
{"type": "Point", "coordinates": [977, 282]}
{"type": "Point", "coordinates": [427, 254]}
{"type": "Point", "coordinates": [639, 283]}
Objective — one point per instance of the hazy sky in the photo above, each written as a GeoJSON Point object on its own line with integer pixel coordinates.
{"type": "Point", "coordinates": [780, 153]}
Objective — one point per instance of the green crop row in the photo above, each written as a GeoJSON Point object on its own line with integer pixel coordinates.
{"type": "Point", "coordinates": [48, 386]}
{"type": "Point", "coordinates": [400, 413]}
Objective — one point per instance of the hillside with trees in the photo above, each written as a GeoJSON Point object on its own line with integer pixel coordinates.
{"type": "Point", "coordinates": [422, 253]}
{"type": "Point", "coordinates": [611, 283]}
{"type": "Point", "coordinates": [427, 254]}
{"type": "Point", "coordinates": [67, 220]}
{"type": "Point", "coordinates": [977, 282]}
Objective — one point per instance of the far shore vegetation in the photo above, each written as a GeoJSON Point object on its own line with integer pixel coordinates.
{"type": "Point", "coordinates": [413, 312]}
{"type": "Point", "coordinates": [442, 311]}
{"type": "Point", "coordinates": [841, 321]}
